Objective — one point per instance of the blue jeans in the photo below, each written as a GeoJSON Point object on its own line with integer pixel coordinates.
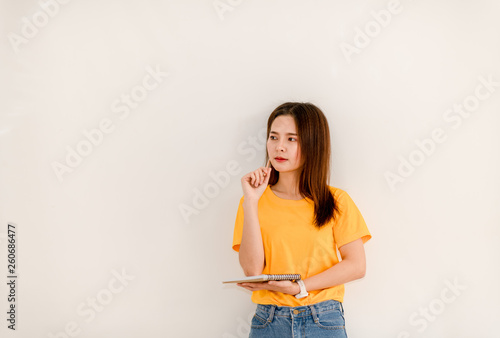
{"type": "Point", "coordinates": [324, 319]}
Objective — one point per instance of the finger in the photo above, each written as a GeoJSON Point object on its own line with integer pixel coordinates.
{"type": "Point", "coordinates": [252, 179]}
{"type": "Point", "coordinates": [248, 286]}
{"type": "Point", "coordinates": [268, 166]}
{"type": "Point", "coordinates": [264, 174]}
{"type": "Point", "coordinates": [268, 175]}
{"type": "Point", "coordinates": [259, 176]}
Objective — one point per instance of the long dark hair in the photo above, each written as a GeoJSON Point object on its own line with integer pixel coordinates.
{"type": "Point", "coordinates": [314, 142]}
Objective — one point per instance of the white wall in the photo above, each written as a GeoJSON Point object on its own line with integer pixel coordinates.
{"type": "Point", "coordinates": [218, 76]}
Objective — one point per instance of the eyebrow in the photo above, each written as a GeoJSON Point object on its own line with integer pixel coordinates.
{"type": "Point", "coordinates": [273, 132]}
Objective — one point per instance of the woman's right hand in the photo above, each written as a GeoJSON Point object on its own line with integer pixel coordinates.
{"type": "Point", "coordinates": [255, 182]}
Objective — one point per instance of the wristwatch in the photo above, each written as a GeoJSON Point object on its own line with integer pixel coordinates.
{"type": "Point", "coordinates": [303, 292]}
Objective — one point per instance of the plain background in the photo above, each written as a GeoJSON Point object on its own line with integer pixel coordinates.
{"type": "Point", "coordinates": [118, 211]}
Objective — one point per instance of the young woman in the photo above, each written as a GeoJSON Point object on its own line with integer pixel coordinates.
{"type": "Point", "coordinates": [290, 221]}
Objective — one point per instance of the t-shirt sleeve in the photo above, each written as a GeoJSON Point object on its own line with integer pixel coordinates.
{"type": "Point", "coordinates": [238, 227]}
{"type": "Point", "coordinates": [349, 224]}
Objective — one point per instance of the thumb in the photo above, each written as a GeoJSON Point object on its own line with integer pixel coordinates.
{"type": "Point", "coordinates": [268, 174]}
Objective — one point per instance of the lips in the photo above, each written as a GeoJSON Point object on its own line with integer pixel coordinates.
{"type": "Point", "coordinates": [280, 159]}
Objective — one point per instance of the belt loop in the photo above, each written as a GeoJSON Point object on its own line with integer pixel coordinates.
{"type": "Point", "coordinates": [313, 313]}
{"type": "Point", "coordinates": [271, 313]}
{"type": "Point", "coordinates": [342, 307]}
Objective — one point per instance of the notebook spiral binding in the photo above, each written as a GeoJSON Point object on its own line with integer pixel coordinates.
{"type": "Point", "coordinates": [284, 277]}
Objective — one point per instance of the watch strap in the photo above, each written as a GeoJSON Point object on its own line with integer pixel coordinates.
{"type": "Point", "coordinates": [303, 292]}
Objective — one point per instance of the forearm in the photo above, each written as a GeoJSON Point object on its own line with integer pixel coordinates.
{"type": "Point", "coordinates": [341, 273]}
{"type": "Point", "coordinates": [251, 253]}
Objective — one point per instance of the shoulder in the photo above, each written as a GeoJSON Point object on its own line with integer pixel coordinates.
{"type": "Point", "coordinates": [341, 198]}
{"type": "Point", "coordinates": [337, 192]}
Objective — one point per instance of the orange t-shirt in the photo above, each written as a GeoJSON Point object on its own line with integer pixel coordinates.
{"type": "Point", "coordinates": [292, 244]}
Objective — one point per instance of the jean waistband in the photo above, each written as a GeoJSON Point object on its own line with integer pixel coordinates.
{"type": "Point", "coordinates": [300, 311]}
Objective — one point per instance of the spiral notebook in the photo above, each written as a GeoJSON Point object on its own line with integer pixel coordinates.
{"type": "Point", "coordinates": [264, 278]}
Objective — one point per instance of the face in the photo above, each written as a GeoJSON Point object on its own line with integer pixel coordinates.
{"type": "Point", "coordinates": [283, 142]}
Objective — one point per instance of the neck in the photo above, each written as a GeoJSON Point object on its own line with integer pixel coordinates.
{"type": "Point", "coordinates": [288, 183]}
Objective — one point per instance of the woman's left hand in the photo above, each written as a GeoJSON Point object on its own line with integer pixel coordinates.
{"type": "Point", "coordinates": [284, 286]}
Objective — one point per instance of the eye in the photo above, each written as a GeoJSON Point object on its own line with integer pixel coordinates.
{"type": "Point", "coordinates": [292, 138]}
{"type": "Point", "coordinates": [271, 137]}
